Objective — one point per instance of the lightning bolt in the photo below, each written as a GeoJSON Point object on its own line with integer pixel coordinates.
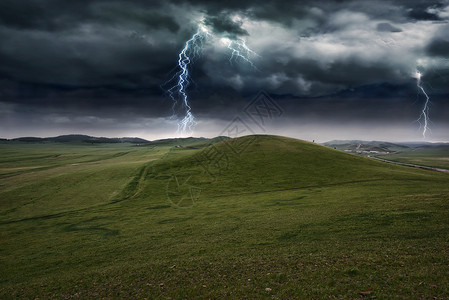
{"type": "Point", "coordinates": [423, 119]}
{"type": "Point", "coordinates": [181, 79]}
{"type": "Point", "coordinates": [239, 50]}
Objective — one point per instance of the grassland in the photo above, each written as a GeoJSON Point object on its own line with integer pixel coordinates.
{"type": "Point", "coordinates": [254, 217]}
{"type": "Point", "coordinates": [436, 156]}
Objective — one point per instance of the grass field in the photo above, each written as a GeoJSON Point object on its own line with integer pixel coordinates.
{"type": "Point", "coordinates": [253, 217]}
{"type": "Point", "coordinates": [437, 156]}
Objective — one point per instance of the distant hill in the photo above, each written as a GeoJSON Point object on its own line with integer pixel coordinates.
{"type": "Point", "coordinates": [358, 145]}
{"type": "Point", "coordinates": [28, 139]}
{"type": "Point", "coordinates": [424, 144]}
{"type": "Point", "coordinates": [79, 138]}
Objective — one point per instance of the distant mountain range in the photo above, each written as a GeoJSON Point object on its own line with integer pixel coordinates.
{"type": "Point", "coordinates": [79, 138]}
{"type": "Point", "coordinates": [348, 145]}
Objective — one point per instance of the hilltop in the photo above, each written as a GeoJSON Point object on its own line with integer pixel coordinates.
{"type": "Point", "coordinates": [190, 141]}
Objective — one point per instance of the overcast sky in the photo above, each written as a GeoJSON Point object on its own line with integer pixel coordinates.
{"type": "Point", "coordinates": [334, 69]}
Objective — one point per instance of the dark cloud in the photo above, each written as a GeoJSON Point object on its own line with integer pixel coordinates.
{"type": "Point", "coordinates": [439, 45]}
{"type": "Point", "coordinates": [108, 59]}
{"type": "Point", "coordinates": [100, 58]}
{"type": "Point", "coordinates": [287, 11]}
{"type": "Point", "coordinates": [222, 24]}
{"type": "Point", "coordinates": [422, 14]}
{"type": "Point", "coordinates": [42, 15]}
{"type": "Point", "coordinates": [387, 27]}
{"type": "Point", "coordinates": [133, 16]}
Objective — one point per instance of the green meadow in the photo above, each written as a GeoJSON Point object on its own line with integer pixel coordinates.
{"type": "Point", "coordinates": [437, 157]}
{"type": "Point", "coordinates": [253, 217]}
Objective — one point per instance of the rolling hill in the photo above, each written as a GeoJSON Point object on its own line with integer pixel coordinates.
{"type": "Point", "coordinates": [357, 145]}
{"type": "Point", "coordinates": [258, 216]}
{"type": "Point", "coordinates": [78, 138]}
{"type": "Point", "coordinates": [259, 163]}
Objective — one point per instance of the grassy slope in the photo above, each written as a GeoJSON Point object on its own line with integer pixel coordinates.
{"type": "Point", "coordinates": [291, 216]}
{"type": "Point", "coordinates": [45, 179]}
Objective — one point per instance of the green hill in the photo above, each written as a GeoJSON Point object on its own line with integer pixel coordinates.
{"type": "Point", "coordinates": [263, 163]}
{"type": "Point", "coordinates": [253, 217]}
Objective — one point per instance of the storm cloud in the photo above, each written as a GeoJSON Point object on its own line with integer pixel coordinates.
{"type": "Point", "coordinates": [104, 62]}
